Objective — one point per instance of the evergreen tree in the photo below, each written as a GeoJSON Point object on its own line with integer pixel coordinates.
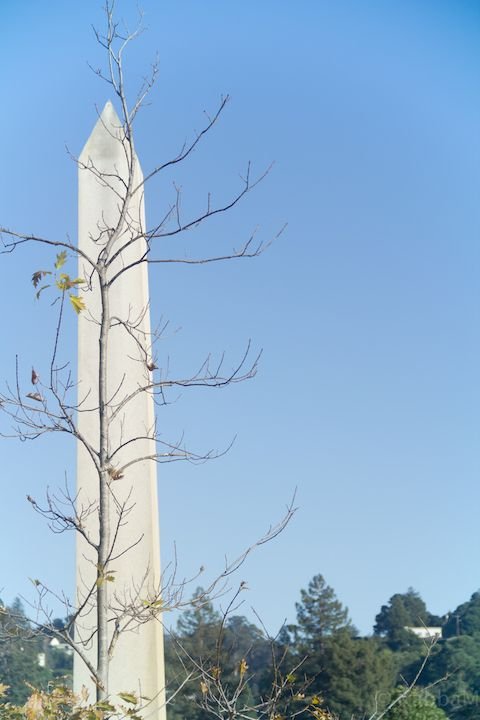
{"type": "Point", "coordinates": [319, 614]}
{"type": "Point", "coordinates": [357, 672]}
{"type": "Point", "coordinates": [352, 675]}
{"type": "Point", "coordinates": [346, 672]}
{"type": "Point", "coordinates": [19, 654]}
{"type": "Point", "coordinates": [198, 626]}
{"type": "Point", "coordinates": [402, 611]}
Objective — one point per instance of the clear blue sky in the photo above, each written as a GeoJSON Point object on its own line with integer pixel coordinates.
{"type": "Point", "coordinates": [368, 400]}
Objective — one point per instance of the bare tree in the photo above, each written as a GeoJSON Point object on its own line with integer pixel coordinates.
{"type": "Point", "coordinates": [221, 693]}
{"type": "Point", "coordinates": [49, 406]}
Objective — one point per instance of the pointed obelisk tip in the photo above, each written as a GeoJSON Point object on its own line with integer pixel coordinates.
{"type": "Point", "coordinates": [106, 128]}
{"type": "Point", "coordinates": [109, 114]}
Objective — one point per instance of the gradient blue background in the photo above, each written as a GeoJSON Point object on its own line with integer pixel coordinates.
{"type": "Point", "coordinates": [368, 398]}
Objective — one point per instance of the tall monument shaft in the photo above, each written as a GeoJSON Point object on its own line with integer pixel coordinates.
{"type": "Point", "coordinates": [137, 662]}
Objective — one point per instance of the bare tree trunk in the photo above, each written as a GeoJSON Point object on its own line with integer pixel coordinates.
{"type": "Point", "coordinates": [104, 493]}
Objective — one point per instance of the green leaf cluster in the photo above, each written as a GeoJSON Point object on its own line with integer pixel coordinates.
{"type": "Point", "coordinates": [61, 280]}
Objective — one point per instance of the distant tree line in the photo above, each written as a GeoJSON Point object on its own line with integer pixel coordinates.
{"type": "Point", "coordinates": [29, 658]}
{"type": "Point", "coordinates": [320, 663]}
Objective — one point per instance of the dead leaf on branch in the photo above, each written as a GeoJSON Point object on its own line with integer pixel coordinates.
{"type": "Point", "coordinates": [38, 275]}
{"type": "Point", "coordinates": [115, 474]}
{"type": "Point", "coordinates": [215, 672]}
{"type": "Point", "coordinates": [35, 396]}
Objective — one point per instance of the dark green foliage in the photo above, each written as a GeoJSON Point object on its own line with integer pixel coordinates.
{"type": "Point", "coordinates": [457, 660]}
{"type": "Point", "coordinates": [358, 674]}
{"type": "Point", "coordinates": [60, 664]}
{"type": "Point", "coordinates": [419, 704]}
{"type": "Point", "coordinates": [192, 647]}
{"type": "Point", "coordinates": [403, 610]}
{"type": "Point", "coordinates": [465, 620]}
{"type": "Point", "coordinates": [353, 675]}
{"type": "Point", "coordinates": [319, 614]}
{"type": "Point", "coordinates": [19, 654]}
{"type": "Point", "coordinates": [196, 621]}
{"type": "Point", "coordinates": [26, 658]}
{"type": "Point", "coordinates": [348, 672]}
{"type": "Point", "coordinates": [453, 668]}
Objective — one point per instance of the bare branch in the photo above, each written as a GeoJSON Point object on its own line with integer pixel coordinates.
{"type": "Point", "coordinates": [186, 150]}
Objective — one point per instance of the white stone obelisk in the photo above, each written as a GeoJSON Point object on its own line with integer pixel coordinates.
{"type": "Point", "coordinates": [137, 664]}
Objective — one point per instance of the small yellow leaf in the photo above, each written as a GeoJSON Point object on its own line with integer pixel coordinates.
{"type": "Point", "coordinates": [128, 697]}
{"type": "Point", "coordinates": [104, 705]}
{"type": "Point", "coordinates": [203, 687]}
{"type": "Point", "coordinates": [63, 283]}
{"type": "Point", "coordinates": [3, 689]}
{"type": "Point", "coordinates": [78, 303]}
{"type": "Point", "coordinates": [61, 259]}
{"type": "Point", "coordinates": [153, 603]}
{"type": "Point", "coordinates": [243, 667]}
